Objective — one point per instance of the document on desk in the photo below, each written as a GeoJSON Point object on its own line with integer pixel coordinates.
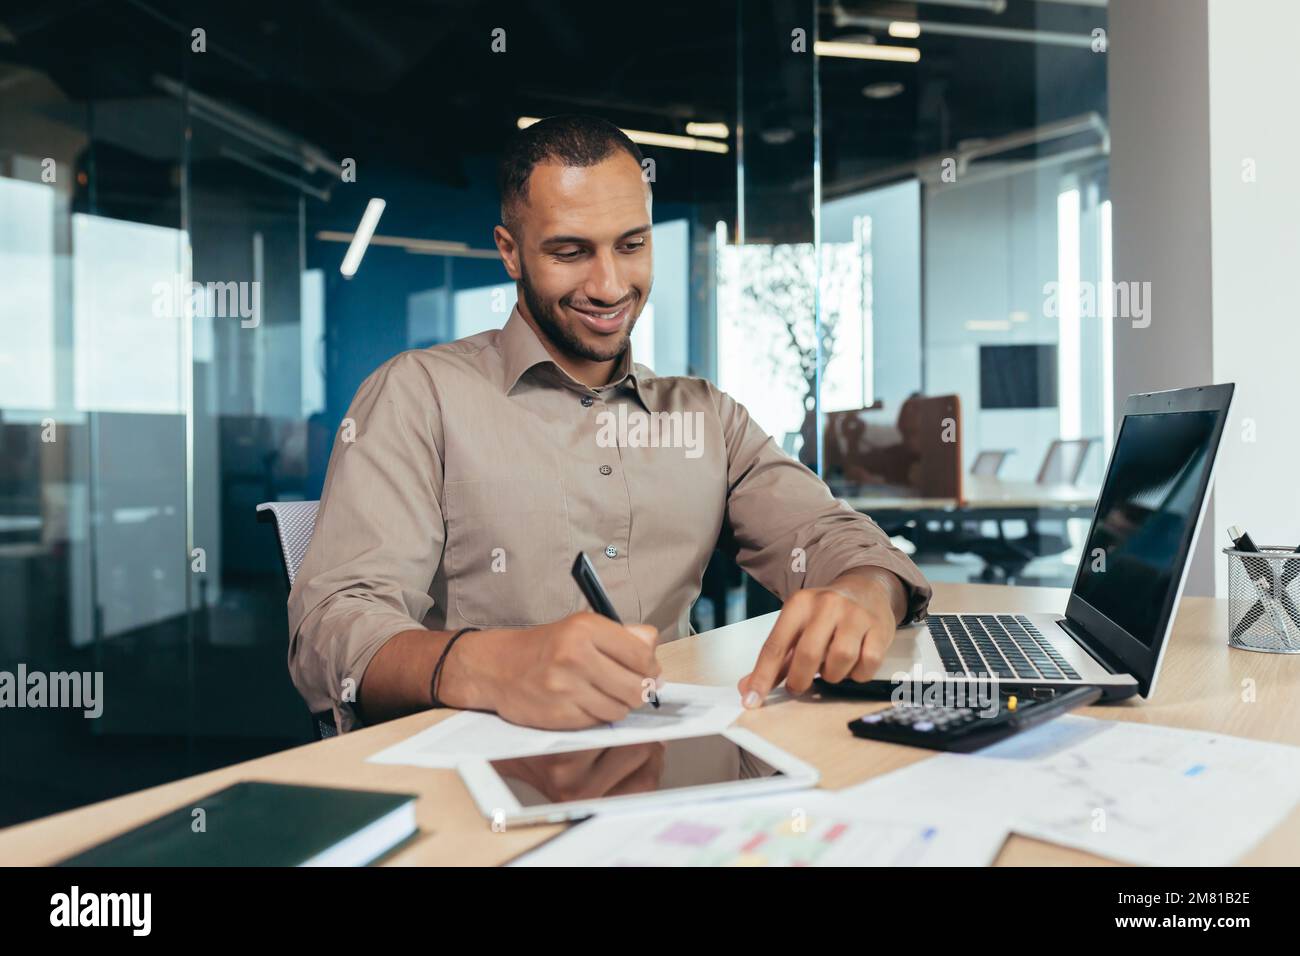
{"type": "Point", "coordinates": [808, 828]}
{"type": "Point", "coordinates": [685, 710]}
{"type": "Point", "coordinates": [1131, 792]}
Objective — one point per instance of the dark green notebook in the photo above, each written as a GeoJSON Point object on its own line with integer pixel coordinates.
{"type": "Point", "coordinates": [265, 824]}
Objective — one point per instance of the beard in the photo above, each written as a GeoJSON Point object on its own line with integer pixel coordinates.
{"type": "Point", "coordinates": [549, 319]}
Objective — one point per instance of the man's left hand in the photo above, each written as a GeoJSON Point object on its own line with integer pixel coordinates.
{"type": "Point", "coordinates": [841, 630]}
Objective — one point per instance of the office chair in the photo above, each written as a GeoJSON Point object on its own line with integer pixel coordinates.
{"type": "Point", "coordinates": [988, 463]}
{"type": "Point", "coordinates": [1004, 558]}
{"type": "Point", "coordinates": [721, 574]}
{"type": "Point", "coordinates": [1064, 461]}
{"type": "Point", "coordinates": [294, 522]}
{"type": "Point", "coordinates": [1007, 557]}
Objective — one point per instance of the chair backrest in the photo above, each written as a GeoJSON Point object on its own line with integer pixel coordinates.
{"type": "Point", "coordinates": [988, 463]}
{"type": "Point", "coordinates": [1063, 463]}
{"type": "Point", "coordinates": [919, 448]}
{"type": "Point", "coordinates": [294, 523]}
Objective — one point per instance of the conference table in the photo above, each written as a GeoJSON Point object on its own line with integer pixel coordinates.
{"type": "Point", "coordinates": [939, 525]}
{"type": "Point", "coordinates": [981, 497]}
{"type": "Point", "coordinates": [1201, 687]}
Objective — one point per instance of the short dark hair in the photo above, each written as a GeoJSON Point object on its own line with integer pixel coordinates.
{"type": "Point", "coordinates": [569, 140]}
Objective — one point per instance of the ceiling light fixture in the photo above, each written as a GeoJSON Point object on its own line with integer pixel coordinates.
{"type": "Point", "coordinates": [866, 51]}
{"type": "Point", "coordinates": [361, 238]}
{"type": "Point", "coordinates": [715, 130]}
{"type": "Point", "coordinates": [905, 29]}
{"type": "Point", "coordinates": [650, 138]}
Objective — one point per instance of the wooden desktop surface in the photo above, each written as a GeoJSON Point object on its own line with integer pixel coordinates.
{"type": "Point", "coordinates": [1201, 686]}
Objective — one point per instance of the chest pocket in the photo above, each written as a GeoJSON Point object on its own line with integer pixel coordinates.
{"type": "Point", "coordinates": [508, 551]}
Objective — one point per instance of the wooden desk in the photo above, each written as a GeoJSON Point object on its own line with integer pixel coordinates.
{"type": "Point", "coordinates": [1200, 687]}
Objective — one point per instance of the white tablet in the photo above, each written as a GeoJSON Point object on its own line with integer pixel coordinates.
{"type": "Point", "coordinates": [571, 785]}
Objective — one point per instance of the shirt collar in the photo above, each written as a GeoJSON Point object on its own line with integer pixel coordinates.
{"type": "Point", "coordinates": [521, 350]}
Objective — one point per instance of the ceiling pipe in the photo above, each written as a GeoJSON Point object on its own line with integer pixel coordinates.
{"type": "Point", "coordinates": [929, 167]}
{"type": "Point", "coordinates": [992, 6]}
{"type": "Point", "coordinates": [995, 6]}
{"type": "Point", "coordinates": [940, 28]}
{"type": "Point", "coordinates": [1013, 167]}
{"type": "Point", "coordinates": [251, 130]}
{"type": "Point", "coordinates": [416, 246]}
{"type": "Point", "coordinates": [238, 157]}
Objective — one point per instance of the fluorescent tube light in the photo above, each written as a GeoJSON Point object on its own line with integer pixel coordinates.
{"type": "Point", "coordinates": [361, 238]}
{"type": "Point", "coordinates": [716, 130]}
{"type": "Point", "coordinates": [867, 51]}
{"type": "Point", "coordinates": [650, 138]}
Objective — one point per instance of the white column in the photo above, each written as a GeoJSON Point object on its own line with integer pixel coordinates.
{"type": "Point", "coordinates": [1160, 193]}
{"type": "Point", "coordinates": [1255, 216]}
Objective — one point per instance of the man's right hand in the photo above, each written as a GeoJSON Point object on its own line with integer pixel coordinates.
{"type": "Point", "coordinates": [577, 672]}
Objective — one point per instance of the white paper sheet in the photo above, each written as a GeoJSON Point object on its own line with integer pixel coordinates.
{"type": "Point", "coordinates": [686, 710]}
{"type": "Point", "coordinates": [1131, 792]}
{"type": "Point", "coordinates": [806, 828]}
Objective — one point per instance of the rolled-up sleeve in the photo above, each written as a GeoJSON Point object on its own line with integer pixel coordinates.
{"type": "Point", "coordinates": [789, 531]}
{"type": "Point", "coordinates": [378, 540]}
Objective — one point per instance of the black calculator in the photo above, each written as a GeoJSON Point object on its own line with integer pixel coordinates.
{"type": "Point", "coordinates": [965, 729]}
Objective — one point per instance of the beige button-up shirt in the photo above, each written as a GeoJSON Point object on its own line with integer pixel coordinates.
{"type": "Point", "coordinates": [465, 478]}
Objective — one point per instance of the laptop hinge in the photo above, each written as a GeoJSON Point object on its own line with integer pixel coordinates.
{"type": "Point", "coordinates": [1091, 645]}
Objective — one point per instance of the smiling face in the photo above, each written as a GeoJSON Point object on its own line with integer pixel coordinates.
{"type": "Point", "coordinates": [579, 247]}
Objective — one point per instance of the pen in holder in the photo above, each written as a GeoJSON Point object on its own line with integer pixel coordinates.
{"type": "Point", "coordinates": [1264, 599]}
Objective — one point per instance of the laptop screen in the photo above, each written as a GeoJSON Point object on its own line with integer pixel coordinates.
{"type": "Point", "coordinates": [1145, 515]}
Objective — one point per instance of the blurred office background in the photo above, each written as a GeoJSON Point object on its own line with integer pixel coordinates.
{"type": "Point", "coordinates": [872, 220]}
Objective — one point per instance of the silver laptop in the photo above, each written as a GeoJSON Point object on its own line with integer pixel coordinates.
{"type": "Point", "coordinates": [1128, 583]}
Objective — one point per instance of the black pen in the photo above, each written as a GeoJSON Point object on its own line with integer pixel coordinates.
{"type": "Point", "coordinates": [1267, 602]}
{"type": "Point", "coordinates": [1290, 570]}
{"type": "Point", "coordinates": [589, 584]}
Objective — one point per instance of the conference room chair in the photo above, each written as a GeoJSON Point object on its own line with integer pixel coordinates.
{"type": "Point", "coordinates": [1064, 461]}
{"type": "Point", "coordinates": [1063, 464]}
{"type": "Point", "coordinates": [988, 463]}
{"type": "Point", "coordinates": [294, 523]}
{"type": "Point", "coordinates": [1005, 557]}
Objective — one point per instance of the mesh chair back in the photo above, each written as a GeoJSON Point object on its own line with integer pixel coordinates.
{"type": "Point", "coordinates": [988, 463]}
{"type": "Point", "coordinates": [294, 523]}
{"type": "Point", "coordinates": [1063, 463]}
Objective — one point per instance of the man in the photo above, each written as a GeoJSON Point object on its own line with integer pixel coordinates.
{"type": "Point", "coordinates": [468, 475]}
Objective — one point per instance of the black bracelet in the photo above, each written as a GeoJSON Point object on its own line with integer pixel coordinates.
{"type": "Point", "coordinates": [442, 659]}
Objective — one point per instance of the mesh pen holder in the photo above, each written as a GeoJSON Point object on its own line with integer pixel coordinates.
{"type": "Point", "coordinates": [1264, 600]}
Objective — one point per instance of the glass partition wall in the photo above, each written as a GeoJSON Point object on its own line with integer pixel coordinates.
{"type": "Point", "coordinates": [179, 341]}
{"type": "Point", "coordinates": [915, 298]}
{"type": "Point", "coordinates": [154, 375]}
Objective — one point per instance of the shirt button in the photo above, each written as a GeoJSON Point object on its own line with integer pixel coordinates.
{"type": "Point", "coordinates": [587, 401]}
{"type": "Point", "coordinates": [606, 470]}
{"type": "Point", "coordinates": [611, 552]}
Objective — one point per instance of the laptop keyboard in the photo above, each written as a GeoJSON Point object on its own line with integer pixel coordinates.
{"type": "Point", "coordinates": [1005, 646]}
